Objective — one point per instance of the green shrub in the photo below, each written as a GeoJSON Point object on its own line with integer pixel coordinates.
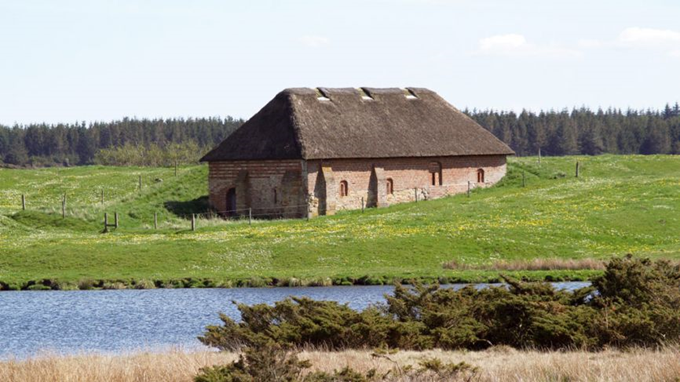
{"type": "Point", "coordinates": [638, 303]}
{"type": "Point", "coordinates": [265, 362]}
{"type": "Point", "coordinates": [64, 285]}
{"type": "Point", "coordinates": [114, 285]}
{"type": "Point", "coordinates": [144, 284]}
{"type": "Point", "coordinates": [86, 284]}
{"type": "Point", "coordinates": [634, 303]}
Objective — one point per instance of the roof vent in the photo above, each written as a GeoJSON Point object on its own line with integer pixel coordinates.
{"type": "Point", "coordinates": [409, 94]}
{"type": "Point", "coordinates": [321, 95]}
{"type": "Point", "coordinates": [364, 95]}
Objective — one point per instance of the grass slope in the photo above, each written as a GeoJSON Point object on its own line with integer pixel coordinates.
{"type": "Point", "coordinates": [619, 205]}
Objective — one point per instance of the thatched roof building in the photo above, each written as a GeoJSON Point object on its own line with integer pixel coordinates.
{"type": "Point", "coordinates": [311, 152]}
{"type": "Point", "coordinates": [324, 123]}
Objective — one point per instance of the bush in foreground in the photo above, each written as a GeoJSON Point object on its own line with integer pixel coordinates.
{"type": "Point", "coordinates": [634, 303]}
{"type": "Point", "coordinates": [268, 362]}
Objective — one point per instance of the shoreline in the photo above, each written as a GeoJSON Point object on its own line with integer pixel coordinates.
{"type": "Point", "coordinates": [475, 277]}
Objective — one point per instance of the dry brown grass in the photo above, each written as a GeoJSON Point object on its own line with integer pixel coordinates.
{"type": "Point", "coordinates": [173, 365]}
{"type": "Point", "coordinates": [551, 264]}
{"type": "Point", "coordinates": [501, 364]}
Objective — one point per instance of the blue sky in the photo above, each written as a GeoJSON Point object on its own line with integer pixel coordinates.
{"type": "Point", "coordinates": [75, 60]}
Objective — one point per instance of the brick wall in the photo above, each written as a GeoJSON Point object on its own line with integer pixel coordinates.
{"type": "Point", "coordinates": [297, 182]}
{"type": "Point", "coordinates": [273, 188]}
{"type": "Point", "coordinates": [367, 179]}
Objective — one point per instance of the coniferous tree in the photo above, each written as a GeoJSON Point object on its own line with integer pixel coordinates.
{"type": "Point", "coordinates": [657, 141]}
{"type": "Point", "coordinates": [590, 140]}
{"type": "Point", "coordinates": [564, 139]}
{"type": "Point", "coordinates": [16, 153]}
{"type": "Point", "coordinates": [580, 131]}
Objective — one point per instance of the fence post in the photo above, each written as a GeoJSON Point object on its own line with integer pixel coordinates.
{"type": "Point", "coordinates": [106, 222]}
{"type": "Point", "coordinates": [155, 220]}
{"type": "Point", "coordinates": [362, 204]}
{"type": "Point", "coordinates": [193, 222]}
{"type": "Point", "coordinates": [140, 183]}
{"type": "Point", "coordinates": [102, 196]}
{"type": "Point", "coordinates": [63, 207]}
{"type": "Point", "coordinates": [415, 192]}
{"type": "Point", "coordinates": [250, 216]}
{"type": "Point", "coordinates": [578, 165]}
{"type": "Point", "coordinates": [115, 219]}
{"type": "Point", "coordinates": [23, 202]}
{"type": "Point", "coordinates": [468, 191]}
{"type": "Point", "coordinates": [539, 155]}
{"type": "Point", "coordinates": [524, 179]}
{"type": "Point", "coordinates": [175, 167]}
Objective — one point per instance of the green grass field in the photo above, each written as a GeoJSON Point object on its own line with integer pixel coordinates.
{"type": "Point", "coordinates": [619, 205]}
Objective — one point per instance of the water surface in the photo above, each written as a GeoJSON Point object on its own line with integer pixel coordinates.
{"type": "Point", "coordinates": [128, 320]}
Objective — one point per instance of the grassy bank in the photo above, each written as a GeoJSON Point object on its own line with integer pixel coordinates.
{"type": "Point", "coordinates": [619, 205]}
{"type": "Point", "coordinates": [496, 364]}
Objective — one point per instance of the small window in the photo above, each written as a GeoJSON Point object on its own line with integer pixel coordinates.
{"type": "Point", "coordinates": [322, 95]}
{"type": "Point", "coordinates": [409, 94]}
{"type": "Point", "coordinates": [276, 197]}
{"type": "Point", "coordinates": [480, 176]}
{"type": "Point", "coordinates": [344, 189]}
{"type": "Point", "coordinates": [435, 169]}
{"type": "Point", "coordinates": [364, 95]}
{"type": "Point", "coordinates": [390, 186]}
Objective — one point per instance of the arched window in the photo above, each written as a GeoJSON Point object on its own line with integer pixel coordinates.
{"type": "Point", "coordinates": [276, 197]}
{"type": "Point", "coordinates": [435, 169]}
{"type": "Point", "coordinates": [390, 186]}
{"type": "Point", "coordinates": [344, 188]}
{"type": "Point", "coordinates": [480, 176]}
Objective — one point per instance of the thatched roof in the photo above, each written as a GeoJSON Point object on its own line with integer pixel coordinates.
{"type": "Point", "coordinates": [324, 123]}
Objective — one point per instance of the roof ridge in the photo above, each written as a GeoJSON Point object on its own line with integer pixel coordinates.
{"type": "Point", "coordinates": [299, 124]}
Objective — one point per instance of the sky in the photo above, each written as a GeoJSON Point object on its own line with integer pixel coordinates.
{"type": "Point", "coordinates": [100, 60]}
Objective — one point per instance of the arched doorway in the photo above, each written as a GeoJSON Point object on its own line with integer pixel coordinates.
{"type": "Point", "coordinates": [231, 202]}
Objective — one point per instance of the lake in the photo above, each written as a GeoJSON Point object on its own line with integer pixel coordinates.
{"type": "Point", "coordinates": [127, 320]}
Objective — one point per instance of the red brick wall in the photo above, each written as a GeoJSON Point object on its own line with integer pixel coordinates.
{"type": "Point", "coordinates": [297, 181]}
{"type": "Point", "coordinates": [409, 175]}
{"type": "Point", "coordinates": [257, 192]}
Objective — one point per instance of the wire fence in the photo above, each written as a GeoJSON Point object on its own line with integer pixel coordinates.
{"type": "Point", "coordinates": [239, 214]}
{"type": "Point", "coordinates": [113, 221]}
{"type": "Point", "coordinates": [281, 212]}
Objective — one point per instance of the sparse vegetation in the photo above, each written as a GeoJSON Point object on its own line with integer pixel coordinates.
{"type": "Point", "coordinates": [268, 362]}
{"type": "Point", "coordinates": [550, 264]}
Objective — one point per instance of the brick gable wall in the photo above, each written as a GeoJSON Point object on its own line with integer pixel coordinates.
{"type": "Point", "coordinates": [270, 188]}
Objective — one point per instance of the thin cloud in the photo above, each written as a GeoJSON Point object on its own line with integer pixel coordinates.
{"type": "Point", "coordinates": [648, 37]}
{"type": "Point", "coordinates": [591, 44]}
{"type": "Point", "coordinates": [665, 40]}
{"type": "Point", "coordinates": [315, 41]}
{"type": "Point", "coordinates": [516, 45]}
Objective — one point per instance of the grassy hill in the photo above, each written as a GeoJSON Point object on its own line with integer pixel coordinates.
{"type": "Point", "coordinates": [619, 205]}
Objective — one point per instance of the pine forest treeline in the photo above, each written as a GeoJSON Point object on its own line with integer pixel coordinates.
{"type": "Point", "coordinates": [587, 132]}
{"type": "Point", "coordinates": [82, 144]}
{"type": "Point", "coordinates": [159, 141]}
